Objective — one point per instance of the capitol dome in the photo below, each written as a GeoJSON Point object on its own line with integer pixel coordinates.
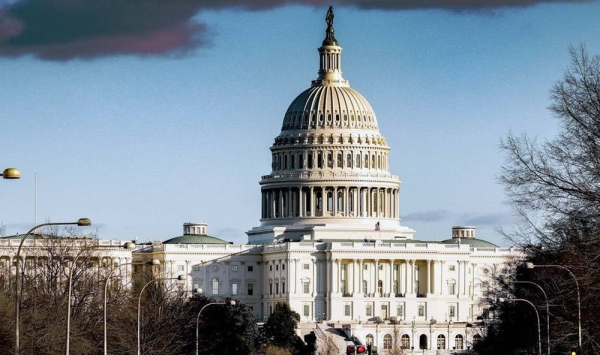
{"type": "Point", "coordinates": [330, 174]}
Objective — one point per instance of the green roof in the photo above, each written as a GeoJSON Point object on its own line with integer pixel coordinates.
{"type": "Point", "coordinates": [195, 239]}
{"type": "Point", "coordinates": [475, 243]}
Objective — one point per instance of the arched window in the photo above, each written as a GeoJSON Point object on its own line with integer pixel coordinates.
{"type": "Point", "coordinates": [405, 341]}
{"type": "Point", "coordinates": [340, 160]}
{"type": "Point", "coordinates": [293, 161]}
{"type": "Point", "coordinates": [329, 201]}
{"type": "Point", "coordinates": [319, 160]}
{"type": "Point", "coordinates": [379, 286]}
{"type": "Point", "coordinates": [301, 161]}
{"type": "Point", "coordinates": [319, 201]}
{"type": "Point", "coordinates": [441, 342]}
{"type": "Point", "coordinates": [387, 342]}
{"type": "Point", "coordinates": [458, 342]}
{"type": "Point", "coordinates": [349, 160]}
{"type": "Point", "coordinates": [330, 160]}
{"type": "Point", "coordinates": [310, 160]}
{"type": "Point", "coordinates": [369, 339]}
{"type": "Point", "coordinates": [285, 162]}
{"type": "Point", "coordinates": [373, 166]}
{"type": "Point", "coordinates": [476, 339]}
{"type": "Point", "coordinates": [366, 161]}
{"type": "Point", "coordinates": [215, 286]}
{"type": "Point", "coordinates": [340, 201]}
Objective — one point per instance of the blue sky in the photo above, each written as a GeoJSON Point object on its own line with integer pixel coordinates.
{"type": "Point", "coordinates": [142, 137]}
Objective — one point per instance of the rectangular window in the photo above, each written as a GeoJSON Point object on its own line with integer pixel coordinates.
{"type": "Point", "coordinates": [451, 288]}
{"type": "Point", "coordinates": [250, 289]}
{"type": "Point", "coordinates": [400, 310]}
{"type": "Point", "coordinates": [276, 288]}
{"type": "Point", "coordinates": [369, 310]}
{"type": "Point", "coordinates": [365, 267]}
{"type": "Point", "coordinates": [380, 266]}
{"type": "Point", "coordinates": [305, 287]}
{"type": "Point", "coordinates": [196, 268]}
{"type": "Point", "coordinates": [343, 287]}
{"type": "Point", "coordinates": [451, 268]}
{"type": "Point", "coordinates": [282, 286]}
{"type": "Point", "coordinates": [250, 268]}
{"type": "Point", "coordinates": [306, 266]}
{"type": "Point", "coordinates": [283, 267]}
{"type": "Point", "coordinates": [452, 311]}
{"type": "Point", "coordinates": [306, 310]}
{"type": "Point", "coordinates": [422, 310]}
{"type": "Point", "coordinates": [234, 268]}
{"type": "Point", "coordinates": [180, 268]}
{"type": "Point", "coordinates": [270, 288]}
{"type": "Point", "coordinates": [234, 289]}
{"type": "Point", "coordinates": [347, 310]}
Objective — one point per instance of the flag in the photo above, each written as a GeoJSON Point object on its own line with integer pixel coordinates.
{"type": "Point", "coordinates": [377, 226]}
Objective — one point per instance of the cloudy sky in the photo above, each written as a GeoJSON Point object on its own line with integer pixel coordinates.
{"type": "Point", "coordinates": [143, 115]}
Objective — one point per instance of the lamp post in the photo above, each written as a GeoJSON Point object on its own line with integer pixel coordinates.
{"type": "Point", "coordinates": [530, 265]}
{"type": "Point", "coordinates": [11, 173]}
{"type": "Point", "coordinates": [507, 282]}
{"type": "Point", "coordinates": [449, 325]}
{"type": "Point", "coordinates": [128, 246]}
{"type": "Point", "coordinates": [82, 222]}
{"type": "Point", "coordinates": [231, 302]}
{"type": "Point", "coordinates": [502, 300]}
{"type": "Point", "coordinates": [180, 278]}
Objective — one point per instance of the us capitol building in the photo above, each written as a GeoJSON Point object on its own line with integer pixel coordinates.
{"type": "Point", "coordinates": [330, 242]}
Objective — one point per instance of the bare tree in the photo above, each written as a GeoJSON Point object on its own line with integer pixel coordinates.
{"type": "Point", "coordinates": [554, 187]}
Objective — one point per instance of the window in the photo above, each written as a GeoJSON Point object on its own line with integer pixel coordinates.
{"type": "Point", "coordinates": [405, 341]}
{"type": "Point", "coordinates": [476, 339]}
{"type": "Point", "coordinates": [270, 267]}
{"type": "Point", "coordinates": [195, 284]}
{"type": "Point", "coordinates": [458, 342]}
{"type": "Point", "coordinates": [276, 267]}
{"type": "Point", "coordinates": [305, 287]}
{"type": "Point", "coordinates": [277, 287]}
{"type": "Point", "coordinates": [369, 339]}
{"type": "Point", "coordinates": [387, 342]}
{"type": "Point", "coordinates": [451, 287]}
{"type": "Point", "coordinates": [451, 267]}
{"type": "Point", "coordinates": [250, 289]}
{"type": "Point", "coordinates": [422, 310]}
{"type": "Point", "coordinates": [369, 310]}
{"type": "Point", "coordinates": [441, 342]}
{"type": "Point", "coordinates": [380, 266]}
{"type": "Point", "coordinates": [400, 310]}
{"type": "Point", "coordinates": [196, 268]}
{"type": "Point", "coordinates": [306, 310]}
{"type": "Point", "coordinates": [215, 286]}
{"type": "Point", "coordinates": [234, 268]}
{"type": "Point", "coordinates": [452, 311]}
{"type": "Point", "coordinates": [283, 286]}
{"type": "Point", "coordinates": [180, 268]}
{"type": "Point", "coordinates": [343, 287]}
{"type": "Point", "coordinates": [234, 289]}
{"type": "Point", "coordinates": [250, 268]}
{"type": "Point", "coordinates": [306, 266]}
{"type": "Point", "coordinates": [347, 310]}
{"type": "Point", "coordinates": [365, 286]}
{"type": "Point", "coordinates": [283, 267]}
{"type": "Point", "coordinates": [270, 287]}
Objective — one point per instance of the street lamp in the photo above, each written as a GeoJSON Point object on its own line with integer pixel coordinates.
{"type": "Point", "coordinates": [231, 303]}
{"type": "Point", "coordinates": [82, 222]}
{"type": "Point", "coordinates": [507, 282]}
{"type": "Point", "coordinates": [502, 300]}
{"type": "Point", "coordinates": [11, 173]}
{"type": "Point", "coordinates": [530, 265]}
{"type": "Point", "coordinates": [128, 246]}
{"type": "Point", "coordinates": [180, 278]}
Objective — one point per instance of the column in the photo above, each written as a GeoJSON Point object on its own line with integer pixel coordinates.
{"type": "Point", "coordinates": [335, 200]}
{"type": "Point", "coordinates": [301, 211]}
{"type": "Point", "coordinates": [377, 293]}
{"type": "Point", "coordinates": [428, 277]}
{"type": "Point", "coordinates": [312, 201]}
{"type": "Point", "coordinates": [361, 276]}
{"type": "Point", "coordinates": [392, 291]}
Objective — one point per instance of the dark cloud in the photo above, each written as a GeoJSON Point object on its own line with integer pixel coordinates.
{"type": "Point", "coordinates": [68, 29]}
